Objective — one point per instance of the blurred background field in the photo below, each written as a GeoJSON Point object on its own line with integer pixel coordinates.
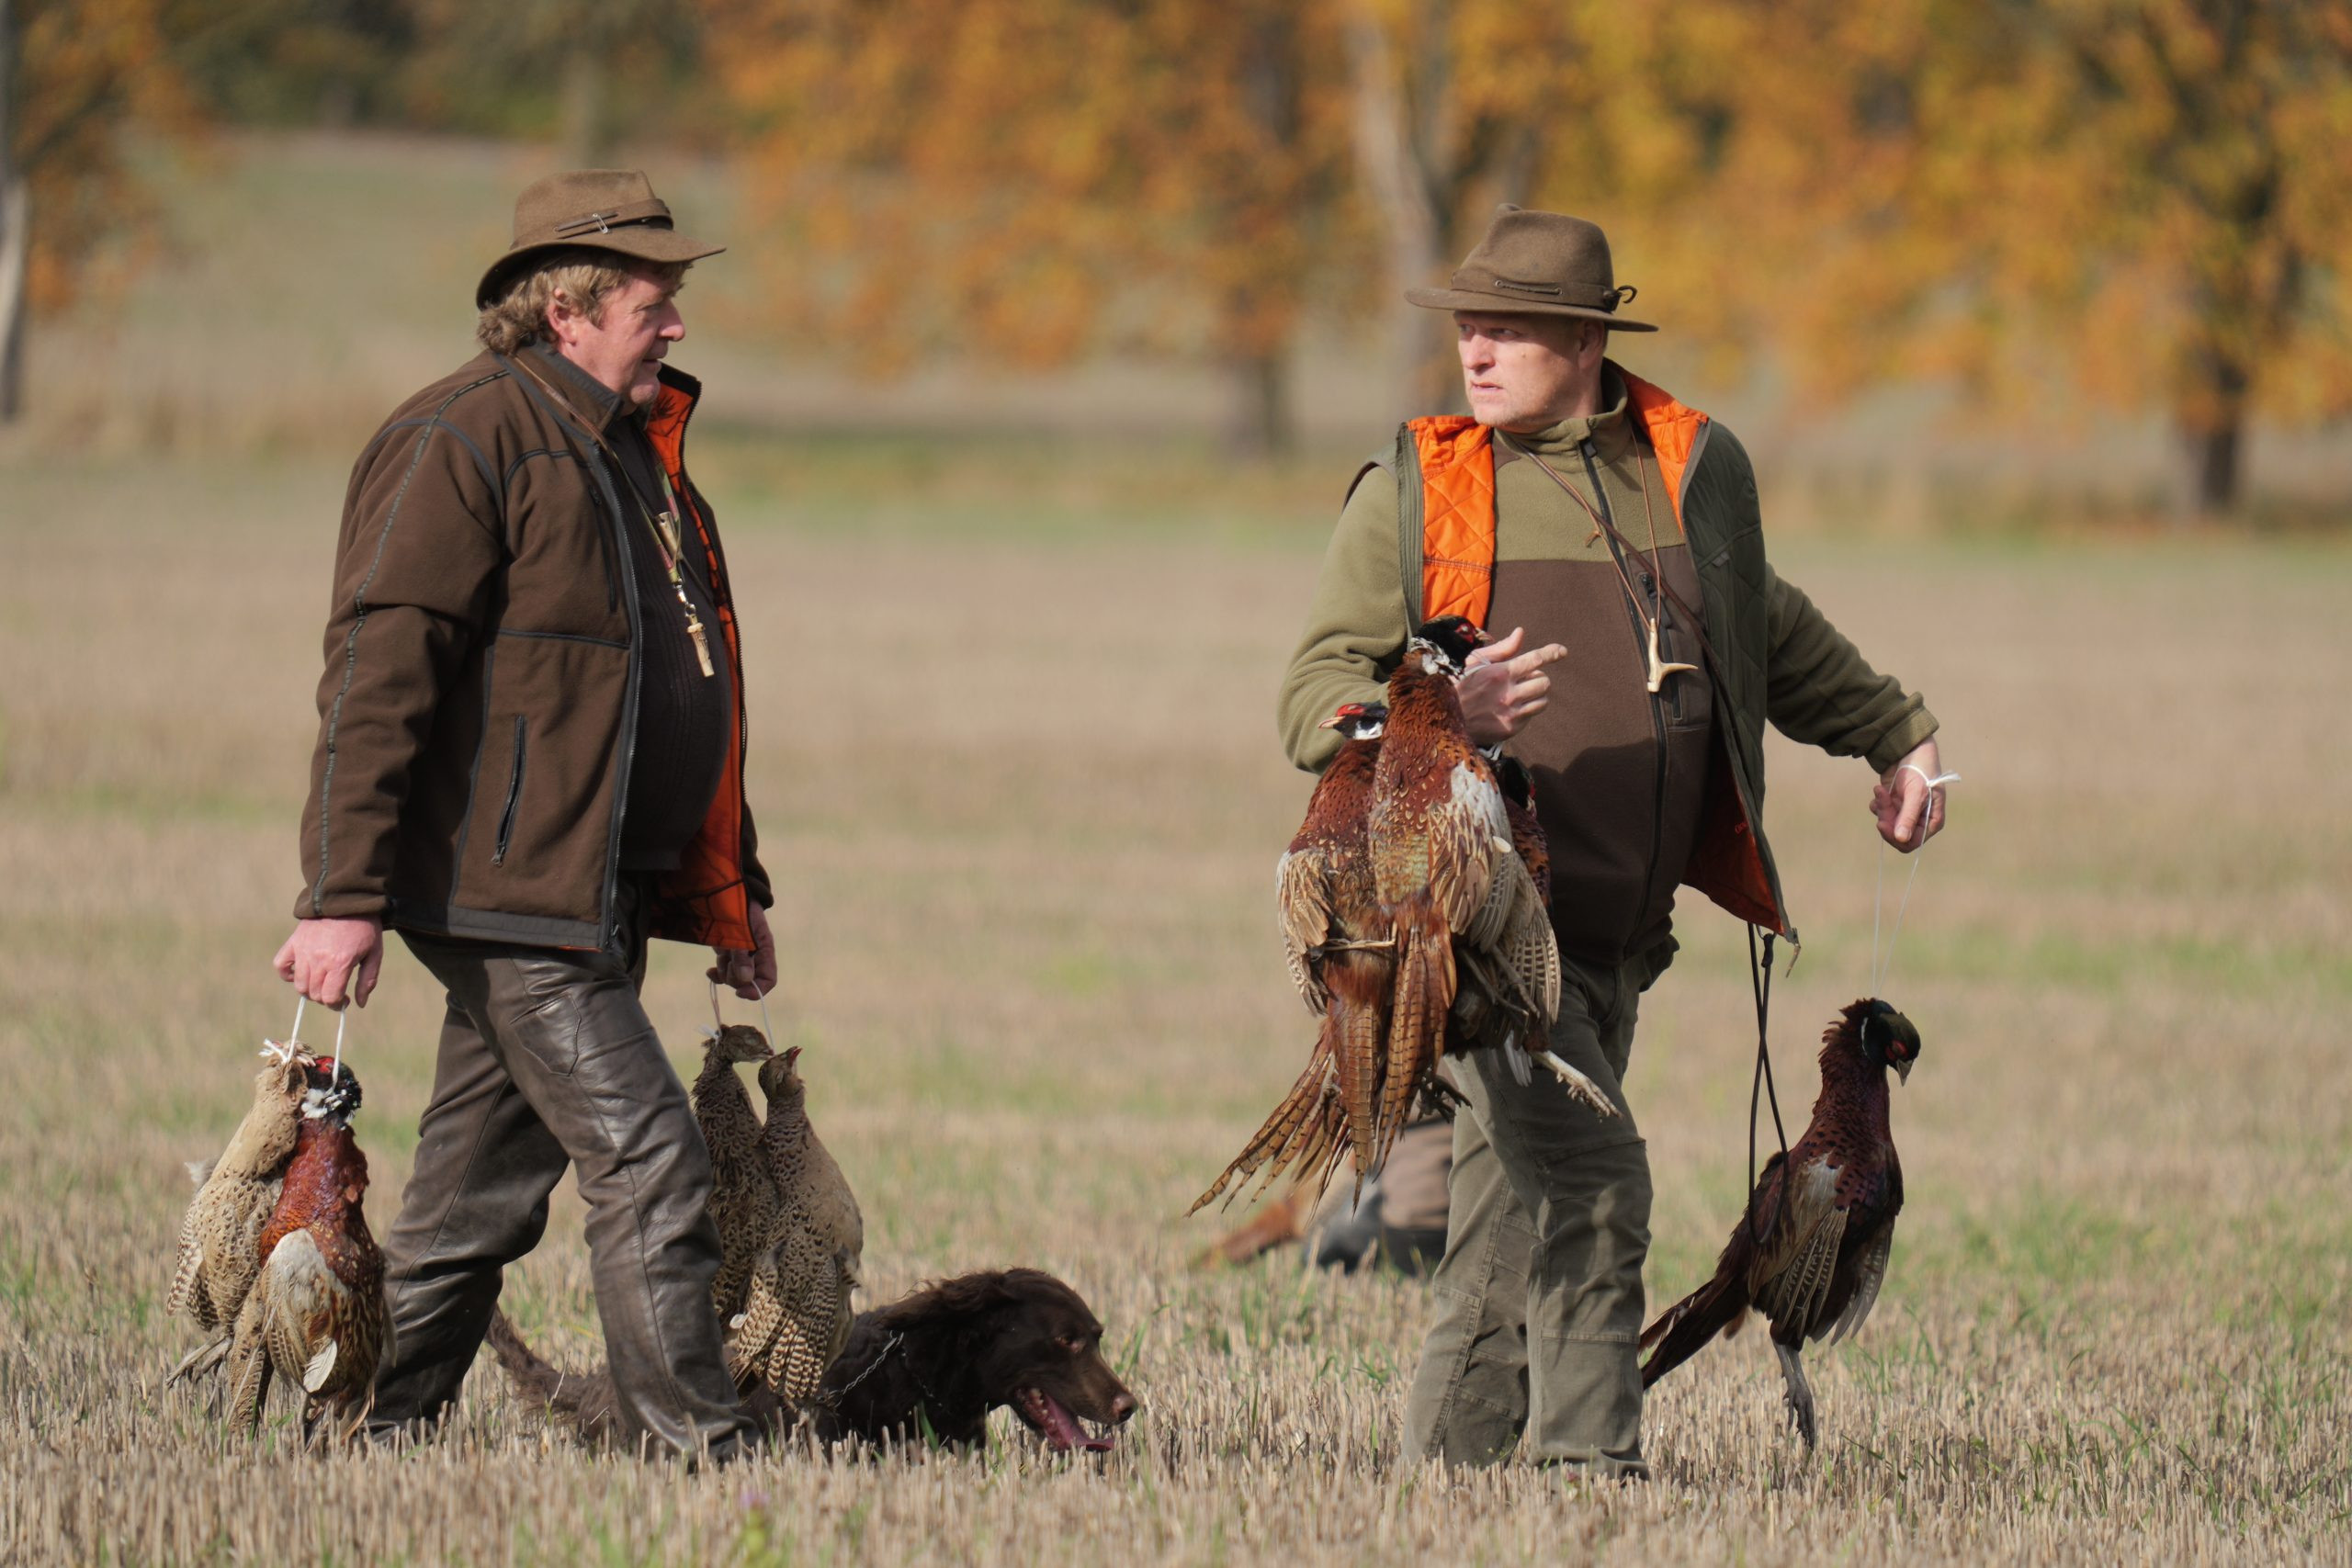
{"type": "Point", "coordinates": [1014, 633]}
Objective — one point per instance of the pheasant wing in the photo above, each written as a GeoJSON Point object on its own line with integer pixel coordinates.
{"type": "Point", "coordinates": [1794, 1269]}
{"type": "Point", "coordinates": [1303, 899]}
{"type": "Point", "coordinates": [1870, 1274]}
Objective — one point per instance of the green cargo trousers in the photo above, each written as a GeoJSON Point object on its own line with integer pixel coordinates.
{"type": "Point", "coordinates": [1539, 1296]}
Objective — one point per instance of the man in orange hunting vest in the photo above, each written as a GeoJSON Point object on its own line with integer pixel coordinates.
{"type": "Point", "coordinates": [1610, 538]}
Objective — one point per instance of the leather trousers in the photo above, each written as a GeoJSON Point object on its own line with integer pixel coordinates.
{"type": "Point", "coordinates": [548, 1060]}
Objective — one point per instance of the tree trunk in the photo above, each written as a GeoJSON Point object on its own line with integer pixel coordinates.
{"type": "Point", "coordinates": [1415, 229]}
{"type": "Point", "coordinates": [14, 221]}
{"type": "Point", "coordinates": [16, 213]}
{"type": "Point", "coordinates": [585, 133]}
{"type": "Point", "coordinates": [2214, 431]}
{"type": "Point", "coordinates": [2214, 473]}
{"type": "Point", "coordinates": [1259, 423]}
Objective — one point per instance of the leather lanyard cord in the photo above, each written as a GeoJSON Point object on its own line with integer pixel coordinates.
{"type": "Point", "coordinates": [1761, 1087]}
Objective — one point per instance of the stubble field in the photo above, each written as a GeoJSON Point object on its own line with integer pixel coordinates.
{"type": "Point", "coordinates": [1016, 769]}
{"type": "Point", "coordinates": [1013, 759]}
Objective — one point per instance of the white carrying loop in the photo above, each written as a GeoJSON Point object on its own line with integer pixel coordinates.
{"type": "Point", "coordinates": [342, 1019]}
{"type": "Point", "coordinates": [1882, 965]}
{"type": "Point", "coordinates": [767, 1025]}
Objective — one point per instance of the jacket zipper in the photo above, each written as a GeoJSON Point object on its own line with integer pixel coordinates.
{"type": "Point", "coordinates": [608, 924]}
{"type": "Point", "coordinates": [1657, 707]}
{"type": "Point", "coordinates": [513, 799]}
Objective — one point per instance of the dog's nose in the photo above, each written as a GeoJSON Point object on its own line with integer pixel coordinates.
{"type": "Point", "coordinates": [1123, 1406]}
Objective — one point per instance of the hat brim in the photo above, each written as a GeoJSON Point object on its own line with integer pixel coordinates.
{"type": "Point", "coordinates": [1510, 305]}
{"type": "Point", "coordinates": [638, 242]}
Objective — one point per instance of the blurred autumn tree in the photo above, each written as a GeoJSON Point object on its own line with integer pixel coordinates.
{"type": "Point", "coordinates": [78, 80]}
{"type": "Point", "coordinates": [1031, 179]}
{"type": "Point", "coordinates": [2140, 203]}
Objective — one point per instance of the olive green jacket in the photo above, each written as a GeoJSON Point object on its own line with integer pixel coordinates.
{"type": "Point", "coordinates": [1776, 656]}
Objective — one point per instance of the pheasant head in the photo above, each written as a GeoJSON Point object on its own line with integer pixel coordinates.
{"type": "Point", "coordinates": [736, 1042]}
{"type": "Point", "coordinates": [331, 1094]}
{"type": "Point", "coordinates": [1880, 1035]}
{"type": "Point", "coordinates": [1443, 646]}
{"type": "Point", "coordinates": [1358, 721]}
{"type": "Point", "coordinates": [781, 1082]}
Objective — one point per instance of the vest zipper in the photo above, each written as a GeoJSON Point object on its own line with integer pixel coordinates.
{"type": "Point", "coordinates": [1641, 640]}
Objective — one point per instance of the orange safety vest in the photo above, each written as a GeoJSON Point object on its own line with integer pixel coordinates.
{"type": "Point", "coordinates": [1457, 465]}
{"type": "Point", "coordinates": [705, 900]}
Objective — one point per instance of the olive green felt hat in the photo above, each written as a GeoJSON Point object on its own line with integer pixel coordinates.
{"type": "Point", "coordinates": [1544, 264]}
{"type": "Point", "coordinates": [606, 210]}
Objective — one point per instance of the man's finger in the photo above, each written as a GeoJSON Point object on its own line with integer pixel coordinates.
{"type": "Point", "coordinates": [1533, 686]}
{"type": "Point", "coordinates": [1908, 818]}
{"type": "Point", "coordinates": [1536, 659]}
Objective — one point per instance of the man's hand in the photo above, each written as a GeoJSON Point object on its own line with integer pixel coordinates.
{"type": "Point", "coordinates": [752, 974]}
{"type": "Point", "coordinates": [1502, 688]}
{"type": "Point", "coordinates": [322, 956]}
{"type": "Point", "coordinates": [1902, 799]}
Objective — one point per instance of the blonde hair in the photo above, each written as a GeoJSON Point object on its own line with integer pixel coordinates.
{"type": "Point", "coordinates": [582, 275]}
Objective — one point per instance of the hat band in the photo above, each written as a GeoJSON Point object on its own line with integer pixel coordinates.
{"type": "Point", "coordinates": [1583, 294]}
{"type": "Point", "coordinates": [655, 214]}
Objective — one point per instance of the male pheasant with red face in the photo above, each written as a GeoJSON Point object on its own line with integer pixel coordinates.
{"type": "Point", "coordinates": [1811, 1251]}
{"type": "Point", "coordinates": [317, 1315]}
{"type": "Point", "coordinates": [742, 1189]}
{"type": "Point", "coordinates": [1336, 943]}
{"type": "Point", "coordinates": [1457, 893]}
{"type": "Point", "coordinates": [220, 1251]}
{"type": "Point", "coordinates": [797, 1313]}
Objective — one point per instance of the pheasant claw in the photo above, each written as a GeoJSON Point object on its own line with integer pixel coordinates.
{"type": "Point", "coordinates": [1578, 1086]}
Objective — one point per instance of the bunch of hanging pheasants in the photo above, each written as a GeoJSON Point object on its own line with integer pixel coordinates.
{"type": "Point", "coordinates": [1414, 905]}
{"type": "Point", "coordinates": [275, 1263]}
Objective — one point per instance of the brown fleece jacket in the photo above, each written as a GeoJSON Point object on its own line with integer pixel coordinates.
{"type": "Point", "coordinates": [477, 711]}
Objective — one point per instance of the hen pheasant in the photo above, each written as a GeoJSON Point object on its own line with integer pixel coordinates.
{"type": "Point", "coordinates": [220, 1251]}
{"type": "Point", "coordinates": [1456, 891]}
{"type": "Point", "coordinates": [1811, 1251]}
{"type": "Point", "coordinates": [1335, 940]}
{"type": "Point", "coordinates": [797, 1313]}
{"type": "Point", "coordinates": [316, 1316]}
{"type": "Point", "coordinates": [742, 1189]}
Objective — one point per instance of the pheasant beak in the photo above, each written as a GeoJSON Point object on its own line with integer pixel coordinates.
{"type": "Point", "coordinates": [1330, 723]}
{"type": "Point", "coordinates": [1902, 1068]}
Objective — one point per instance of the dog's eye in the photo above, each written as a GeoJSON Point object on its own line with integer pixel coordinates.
{"type": "Point", "coordinates": [1070, 1346]}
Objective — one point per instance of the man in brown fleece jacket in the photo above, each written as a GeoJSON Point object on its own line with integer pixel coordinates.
{"type": "Point", "coordinates": [1613, 538]}
{"type": "Point", "coordinates": [530, 763]}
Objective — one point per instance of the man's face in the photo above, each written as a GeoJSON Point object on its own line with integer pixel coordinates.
{"type": "Point", "coordinates": [1527, 373]}
{"type": "Point", "coordinates": [622, 348]}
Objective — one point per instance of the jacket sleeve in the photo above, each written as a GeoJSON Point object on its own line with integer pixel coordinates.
{"type": "Point", "coordinates": [1820, 690]}
{"type": "Point", "coordinates": [420, 544]}
{"type": "Point", "coordinates": [1355, 626]}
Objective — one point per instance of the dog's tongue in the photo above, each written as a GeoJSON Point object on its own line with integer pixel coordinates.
{"type": "Point", "coordinates": [1063, 1431]}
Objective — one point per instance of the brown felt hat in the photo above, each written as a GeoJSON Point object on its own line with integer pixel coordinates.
{"type": "Point", "coordinates": [606, 210]}
{"type": "Point", "coordinates": [1541, 264]}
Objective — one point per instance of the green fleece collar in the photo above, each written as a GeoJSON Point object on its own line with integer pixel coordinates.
{"type": "Point", "coordinates": [1611, 430]}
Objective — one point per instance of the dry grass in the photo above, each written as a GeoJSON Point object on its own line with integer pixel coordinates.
{"type": "Point", "coordinates": [1015, 767]}
{"type": "Point", "coordinates": [1020, 790]}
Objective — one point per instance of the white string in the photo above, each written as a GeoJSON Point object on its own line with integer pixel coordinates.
{"type": "Point", "coordinates": [295, 1037]}
{"type": "Point", "coordinates": [767, 1026]}
{"type": "Point", "coordinates": [1882, 966]}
